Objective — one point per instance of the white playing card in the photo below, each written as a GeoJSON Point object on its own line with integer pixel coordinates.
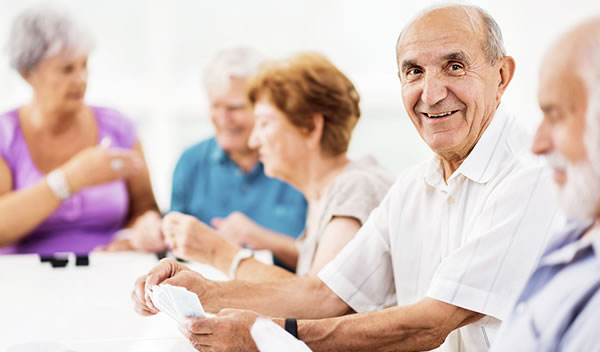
{"type": "Point", "coordinates": [162, 302]}
{"type": "Point", "coordinates": [177, 302]}
{"type": "Point", "coordinates": [187, 303]}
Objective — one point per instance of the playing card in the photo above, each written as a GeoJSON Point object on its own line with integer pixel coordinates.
{"type": "Point", "coordinates": [161, 301]}
{"type": "Point", "coordinates": [177, 302]}
{"type": "Point", "coordinates": [186, 303]}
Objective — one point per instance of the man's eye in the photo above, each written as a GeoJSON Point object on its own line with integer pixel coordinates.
{"type": "Point", "coordinates": [236, 107]}
{"type": "Point", "coordinates": [554, 117]}
{"type": "Point", "coordinates": [413, 71]}
{"type": "Point", "coordinates": [455, 67]}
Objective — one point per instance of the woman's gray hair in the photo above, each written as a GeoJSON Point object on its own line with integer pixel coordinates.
{"type": "Point", "coordinates": [44, 31]}
{"type": "Point", "coordinates": [238, 62]}
{"type": "Point", "coordinates": [493, 46]}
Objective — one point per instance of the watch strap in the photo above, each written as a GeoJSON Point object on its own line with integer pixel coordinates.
{"type": "Point", "coordinates": [291, 326]}
{"type": "Point", "coordinates": [243, 253]}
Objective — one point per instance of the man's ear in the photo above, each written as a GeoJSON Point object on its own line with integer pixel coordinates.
{"type": "Point", "coordinates": [506, 70]}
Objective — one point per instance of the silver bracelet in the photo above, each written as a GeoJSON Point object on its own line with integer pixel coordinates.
{"type": "Point", "coordinates": [57, 182]}
{"type": "Point", "coordinates": [244, 253]}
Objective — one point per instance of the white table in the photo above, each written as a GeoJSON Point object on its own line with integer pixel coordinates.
{"type": "Point", "coordinates": [85, 308]}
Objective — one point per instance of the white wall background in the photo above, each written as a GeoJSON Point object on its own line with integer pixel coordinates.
{"type": "Point", "coordinates": [150, 54]}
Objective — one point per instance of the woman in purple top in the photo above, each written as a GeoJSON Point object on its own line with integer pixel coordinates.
{"type": "Point", "coordinates": [71, 175]}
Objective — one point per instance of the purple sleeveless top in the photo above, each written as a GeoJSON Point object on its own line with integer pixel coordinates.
{"type": "Point", "coordinates": [88, 218]}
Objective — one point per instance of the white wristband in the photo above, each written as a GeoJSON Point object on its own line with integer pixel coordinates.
{"type": "Point", "coordinates": [57, 182]}
{"type": "Point", "coordinates": [244, 253]}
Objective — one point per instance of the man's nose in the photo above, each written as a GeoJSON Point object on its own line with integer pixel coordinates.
{"type": "Point", "coordinates": [542, 142]}
{"type": "Point", "coordinates": [434, 89]}
{"type": "Point", "coordinates": [222, 114]}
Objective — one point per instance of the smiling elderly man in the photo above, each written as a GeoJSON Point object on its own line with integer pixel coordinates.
{"type": "Point", "coordinates": [442, 259]}
{"type": "Point", "coordinates": [559, 310]}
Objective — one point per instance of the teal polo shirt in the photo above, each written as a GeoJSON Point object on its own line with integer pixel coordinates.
{"type": "Point", "coordinates": [208, 184]}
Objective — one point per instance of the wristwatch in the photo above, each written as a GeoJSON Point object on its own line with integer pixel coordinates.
{"type": "Point", "coordinates": [57, 182]}
{"type": "Point", "coordinates": [244, 253]}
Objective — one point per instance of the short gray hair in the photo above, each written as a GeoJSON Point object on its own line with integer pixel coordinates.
{"type": "Point", "coordinates": [239, 62]}
{"type": "Point", "coordinates": [43, 31]}
{"type": "Point", "coordinates": [493, 46]}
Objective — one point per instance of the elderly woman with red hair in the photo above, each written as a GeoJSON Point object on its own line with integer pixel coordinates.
{"type": "Point", "coordinates": [305, 110]}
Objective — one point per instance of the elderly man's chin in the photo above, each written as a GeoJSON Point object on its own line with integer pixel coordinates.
{"type": "Point", "coordinates": [233, 144]}
{"type": "Point", "coordinates": [579, 197]}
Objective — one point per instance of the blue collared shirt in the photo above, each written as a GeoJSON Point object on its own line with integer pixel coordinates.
{"type": "Point", "coordinates": [208, 184]}
{"type": "Point", "coordinates": [559, 310]}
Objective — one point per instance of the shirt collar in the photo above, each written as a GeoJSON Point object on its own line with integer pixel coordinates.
{"type": "Point", "coordinates": [434, 173]}
{"type": "Point", "coordinates": [219, 155]}
{"type": "Point", "coordinates": [483, 162]}
{"type": "Point", "coordinates": [573, 245]}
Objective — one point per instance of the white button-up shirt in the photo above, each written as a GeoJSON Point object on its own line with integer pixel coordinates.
{"type": "Point", "coordinates": [471, 241]}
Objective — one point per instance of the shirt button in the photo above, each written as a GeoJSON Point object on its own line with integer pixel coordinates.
{"type": "Point", "coordinates": [520, 308]}
{"type": "Point", "coordinates": [246, 187]}
{"type": "Point", "coordinates": [450, 200]}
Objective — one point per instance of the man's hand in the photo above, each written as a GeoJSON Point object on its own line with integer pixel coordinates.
{"type": "Point", "coordinates": [168, 271]}
{"type": "Point", "coordinates": [228, 331]}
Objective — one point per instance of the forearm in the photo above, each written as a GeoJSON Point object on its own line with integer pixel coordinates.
{"type": "Point", "coordinates": [367, 332]}
{"type": "Point", "coordinates": [282, 246]}
{"type": "Point", "coordinates": [140, 192]}
{"type": "Point", "coordinates": [22, 211]}
{"type": "Point", "coordinates": [253, 270]}
{"type": "Point", "coordinates": [249, 269]}
{"type": "Point", "coordinates": [409, 328]}
{"type": "Point", "coordinates": [135, 214]}
{"type": "Point", "coordinates": [306, 298]}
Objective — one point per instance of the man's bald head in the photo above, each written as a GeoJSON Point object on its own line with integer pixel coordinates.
{"type": "Point", "coordinates": [475, 17]}
{"type": "Point", "coordinates": [583, 45]}
{"type": "Point", "coordinates": [579, 48]}
{"type": "Point", "coordinates": [574, 62]}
